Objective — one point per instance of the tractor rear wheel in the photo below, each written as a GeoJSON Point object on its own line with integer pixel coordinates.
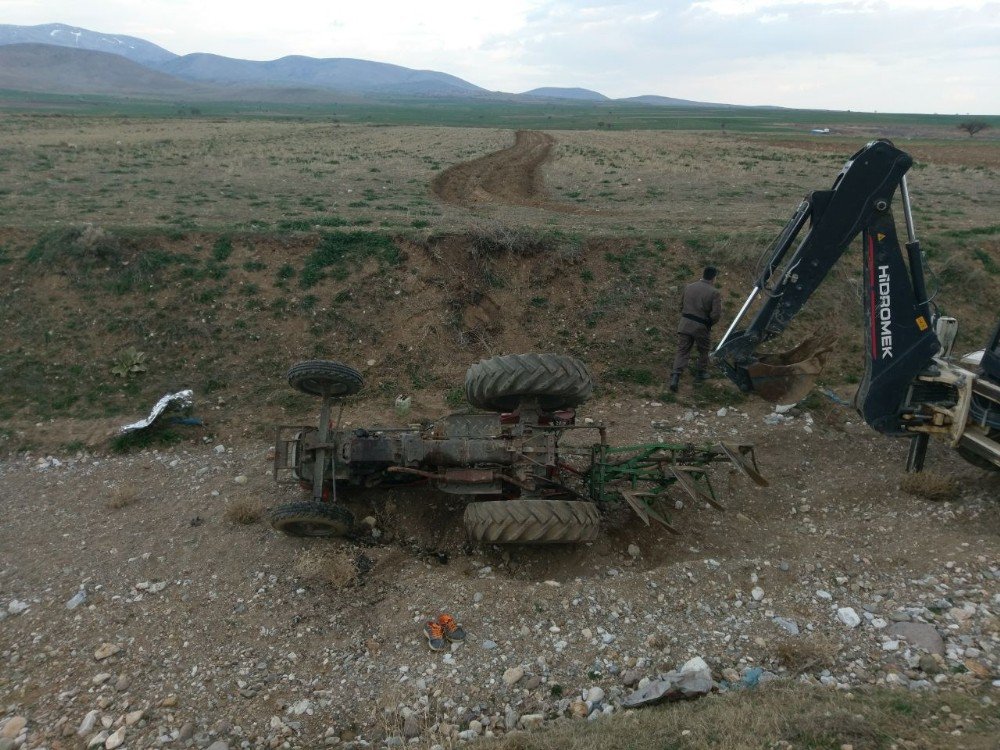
{"type": "Point", "coordinates": [532, 521]}
{"type": "Point", "coordinates": [321, 377]}
{"type": "Point", "coordinates": [557, 381]}
{"type": "Point", "coordinates": [311, 519]}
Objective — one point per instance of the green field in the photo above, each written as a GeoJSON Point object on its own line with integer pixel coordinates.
{"type": "Point", "coordinates": [209, 240]}
{"type": "Point", "coordinates": [493, 114]}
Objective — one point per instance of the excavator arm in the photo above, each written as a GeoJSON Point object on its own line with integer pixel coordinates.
{"type": "Point", "coordinates": [911, 385]}
{"type": "Point", "coordinates": [900, 341]}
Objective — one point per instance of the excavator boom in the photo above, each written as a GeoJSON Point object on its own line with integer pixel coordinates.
{"type": "Point", "coordinates": [912, 385]}
{"type": "Point", "coordinates": [900, 340]}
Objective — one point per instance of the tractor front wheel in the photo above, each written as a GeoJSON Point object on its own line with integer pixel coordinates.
{"type": "Point", "coordinates": [320, 377]}
{"type": "Point", "coordinates": [311, 519]}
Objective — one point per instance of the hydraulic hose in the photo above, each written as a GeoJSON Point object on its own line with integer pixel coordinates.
{"type": "Point", "coordinates": [985, 413]}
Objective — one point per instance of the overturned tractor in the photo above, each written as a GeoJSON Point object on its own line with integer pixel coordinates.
{"type": "Point", "coordinates": [534, 482]}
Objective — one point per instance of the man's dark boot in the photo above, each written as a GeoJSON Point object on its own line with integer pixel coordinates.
{"type": "Point", "coordinates": [702, 375]}
{"type": "Point", "coordinates": [675, 382]}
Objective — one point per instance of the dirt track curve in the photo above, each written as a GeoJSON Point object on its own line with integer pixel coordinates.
{"type": "Point", "coordinates": [509, 176]}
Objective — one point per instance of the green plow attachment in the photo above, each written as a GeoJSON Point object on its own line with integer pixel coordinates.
{"type": "Point", "coordinates": [641, 474]}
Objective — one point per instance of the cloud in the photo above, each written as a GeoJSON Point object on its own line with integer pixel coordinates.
{"type": "Point", "coordinates": [892, 55]}
{"type": "Point", "coordinates": [848, 84]}
{"type": "Point", "coordinates": [805, 54]}
{"type": "Point", "coordinates": [759, 7]}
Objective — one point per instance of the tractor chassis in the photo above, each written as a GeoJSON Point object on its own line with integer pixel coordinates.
{"type": "Point", "coordinates": [519, 454]}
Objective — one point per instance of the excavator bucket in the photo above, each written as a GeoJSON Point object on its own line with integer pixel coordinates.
{"type": "Point", "coordinates": [787, 378]}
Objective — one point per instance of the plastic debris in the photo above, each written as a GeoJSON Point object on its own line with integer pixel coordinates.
{"type": "Point", "coordinates": [170, 402]}
{"type": "Point", "coordinates": [78, 598]}
{"type": "Point", "coordinates": [692, 680]}
{"type": "Point", "coordinates": [834, 397]}
{"type": "Point", "coordinates": [751, 677]}
{"type": "Point", "coordinates": [402, 404]}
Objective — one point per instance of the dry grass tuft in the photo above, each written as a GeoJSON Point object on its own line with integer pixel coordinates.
{"type": "Point", "coordinates": [122, 496]}
{"type": "Point", "coordinates": [930, 486]}
{"type": "Point", "coordinates": [805, 654]}
{"type": "Point", "coordinates": [778, 715]}
{"type": "Point", "coordinates": [839, 726]}
{"type": "Point", "coordinates": [336, 568]}
{"type": "Point", "coordinates": [244, 512]}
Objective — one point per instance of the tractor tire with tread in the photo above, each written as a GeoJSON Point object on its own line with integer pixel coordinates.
{"type": "Point", "coordinates": [311, 519]}
{"type": "Point", "coordinates": [532, 521]}
{"type": "Point", "coordinates": [321, 377]}
{"type": "Point", "coordinates": [556, 380]}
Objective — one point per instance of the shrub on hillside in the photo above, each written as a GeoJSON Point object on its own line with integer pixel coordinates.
{"type": "Point", "coordinates": [495, 239]}
{"type": "Point", "coordinates": [87, 244]}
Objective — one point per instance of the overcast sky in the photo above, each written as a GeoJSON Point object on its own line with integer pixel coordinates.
{"type": "Point", "coordinates": [885, 55]}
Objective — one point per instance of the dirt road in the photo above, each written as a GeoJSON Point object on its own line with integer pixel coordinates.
{"type": "Point", "coordinates": [510, 176]}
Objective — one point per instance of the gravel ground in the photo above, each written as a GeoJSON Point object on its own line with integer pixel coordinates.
{"type": "Point", "coordinates": [196, 631]}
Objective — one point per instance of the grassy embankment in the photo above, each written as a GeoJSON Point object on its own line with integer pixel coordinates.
{"type": "Point", "coordinates": [225, 251]}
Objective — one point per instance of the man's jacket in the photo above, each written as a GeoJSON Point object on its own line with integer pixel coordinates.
{"type": "Point", "coordinates": [701, 307]}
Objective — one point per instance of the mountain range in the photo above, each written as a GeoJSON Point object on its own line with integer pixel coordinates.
{"type": "Point", "coordinates": [56, 58]}
{"type": "Point", "coordinates": [61, 35]}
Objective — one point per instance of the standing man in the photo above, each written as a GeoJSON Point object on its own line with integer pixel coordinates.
{"type": "Point", "coordinates": [701, 308]}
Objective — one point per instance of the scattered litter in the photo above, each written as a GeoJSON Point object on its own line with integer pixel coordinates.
{"type": "Point", "coordinates": [179, 401]}
{"type": "Point", "coordinates": [77, 599]}
{"type": "Point", "coordinates": [692, 680]}
{"type": "Point", "coordinates": [834, 397]}
{"type": "Point", "coordinates": [752, 677]}
{"type": "Point", "coordinates": [402, 404]}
